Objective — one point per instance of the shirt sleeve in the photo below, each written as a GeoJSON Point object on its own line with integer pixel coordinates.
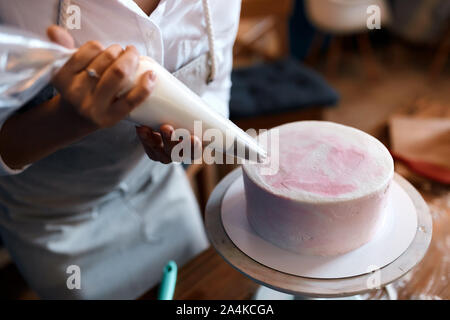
{"type": "Point", "coordinates": [225, 28]}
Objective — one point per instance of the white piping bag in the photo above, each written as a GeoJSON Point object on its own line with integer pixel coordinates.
{"type": "Point", "coordinates": [28, 62]}
{"type": "Point", "coordinates": [173, 103]}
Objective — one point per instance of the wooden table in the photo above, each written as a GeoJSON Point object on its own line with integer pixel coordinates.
{"type": "Point", "coordinates": [208, 276]}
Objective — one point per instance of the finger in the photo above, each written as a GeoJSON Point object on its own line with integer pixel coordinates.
{"type": "Point", "coordinates": [83, 57]}
{"type": "Point", "coordinates": [146, 135]}
{"type": "Point", "coordinates": [136, 96]}
{"type": "Point", "coordinates": [60, 36]}
{"type": "Point", "coordinates": [196, 148]}
{"type": "Point", "coordinates": [99, 65]}
{"type": "Point", "coordinates": [145, 143]}
{"type": "Point", "coordinates": [155, 140]}
{"type": "Point", "coordinates": [118, 75]}
{"type": "Point", "coordinates": [153, 144]}
{"type": "Point", "coordinates": [157, 146]}
{"type": "Point", "coordinates": [150, 138]}
{"type": "Point", "coordinates": [77, 62]}
{"type": "Point", "coordinates": [166, 134]}
{"type": "Point", "coordinates": [150, 153]}
{"type": "Point", "coordinates": [105, 59]}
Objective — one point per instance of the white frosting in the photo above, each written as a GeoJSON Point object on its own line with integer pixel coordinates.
{"type": "Point", "coordinates": [329, 193]}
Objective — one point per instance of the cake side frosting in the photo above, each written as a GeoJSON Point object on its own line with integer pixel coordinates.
{"type": "Point", "coordinates": [329, 194]}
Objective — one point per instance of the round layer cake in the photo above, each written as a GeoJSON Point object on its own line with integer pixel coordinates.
{"type": "Point", "coordinates": [327, 193]}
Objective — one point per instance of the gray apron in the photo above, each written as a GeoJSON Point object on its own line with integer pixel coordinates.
{"type": "Point", "coordinates": [100, 204]}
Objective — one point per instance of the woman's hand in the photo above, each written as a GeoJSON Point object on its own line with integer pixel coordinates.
{"type": "Point", "coordinates": [85, 103]}
{"type": "Point", "coordinates": [95, 98]}
{"type": "Point", "coordinates": [159, 145]}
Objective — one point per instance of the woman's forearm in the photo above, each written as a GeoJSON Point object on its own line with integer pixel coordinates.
{"type": "Point", "coordinates": [38, 132]}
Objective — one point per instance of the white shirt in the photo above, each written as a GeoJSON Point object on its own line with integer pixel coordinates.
{"type": "Point", "coordinates": [174, 34]}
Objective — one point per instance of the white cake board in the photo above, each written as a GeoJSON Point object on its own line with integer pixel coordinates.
{"type": "Point", "coordinates": [392, 239]}
{"type": "Point", "coordinates": [313, 287]}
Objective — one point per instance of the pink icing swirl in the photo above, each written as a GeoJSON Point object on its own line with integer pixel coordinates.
{"type": "Point", "coordinates": [321, 163]}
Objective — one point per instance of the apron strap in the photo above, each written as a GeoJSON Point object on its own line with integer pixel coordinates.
{"type": "Point", "coordinates": [62, 18]}
{"type": "Point", "coordinates": [211, 44]}
{"type": "Point", "coordinates": [62, 13]}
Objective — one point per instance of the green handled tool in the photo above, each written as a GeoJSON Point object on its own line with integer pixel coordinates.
{"type": "Point", "coordinates": [168, 282]}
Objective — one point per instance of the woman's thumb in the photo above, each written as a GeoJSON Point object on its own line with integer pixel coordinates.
{"type": "Point", "coordinates": [60, 36]}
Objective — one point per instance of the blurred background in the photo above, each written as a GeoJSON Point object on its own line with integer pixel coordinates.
{"type": "Point", "coordinates": [318, 60]}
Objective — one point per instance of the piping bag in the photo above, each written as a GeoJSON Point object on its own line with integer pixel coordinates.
{"type": "Point", "coordinates": [28, 62]}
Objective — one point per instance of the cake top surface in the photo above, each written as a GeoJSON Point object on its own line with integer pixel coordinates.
{"type": "Point", "coordinates": [321, 160]}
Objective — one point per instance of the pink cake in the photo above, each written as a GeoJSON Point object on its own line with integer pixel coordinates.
{"type": "Point", "coordinates": [329, 193]}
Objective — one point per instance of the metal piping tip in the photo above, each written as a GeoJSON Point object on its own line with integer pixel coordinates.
{"type": "Point", "coordinates": [262, 157]}
{"type": "Point", "coordinates": [257, 155]}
